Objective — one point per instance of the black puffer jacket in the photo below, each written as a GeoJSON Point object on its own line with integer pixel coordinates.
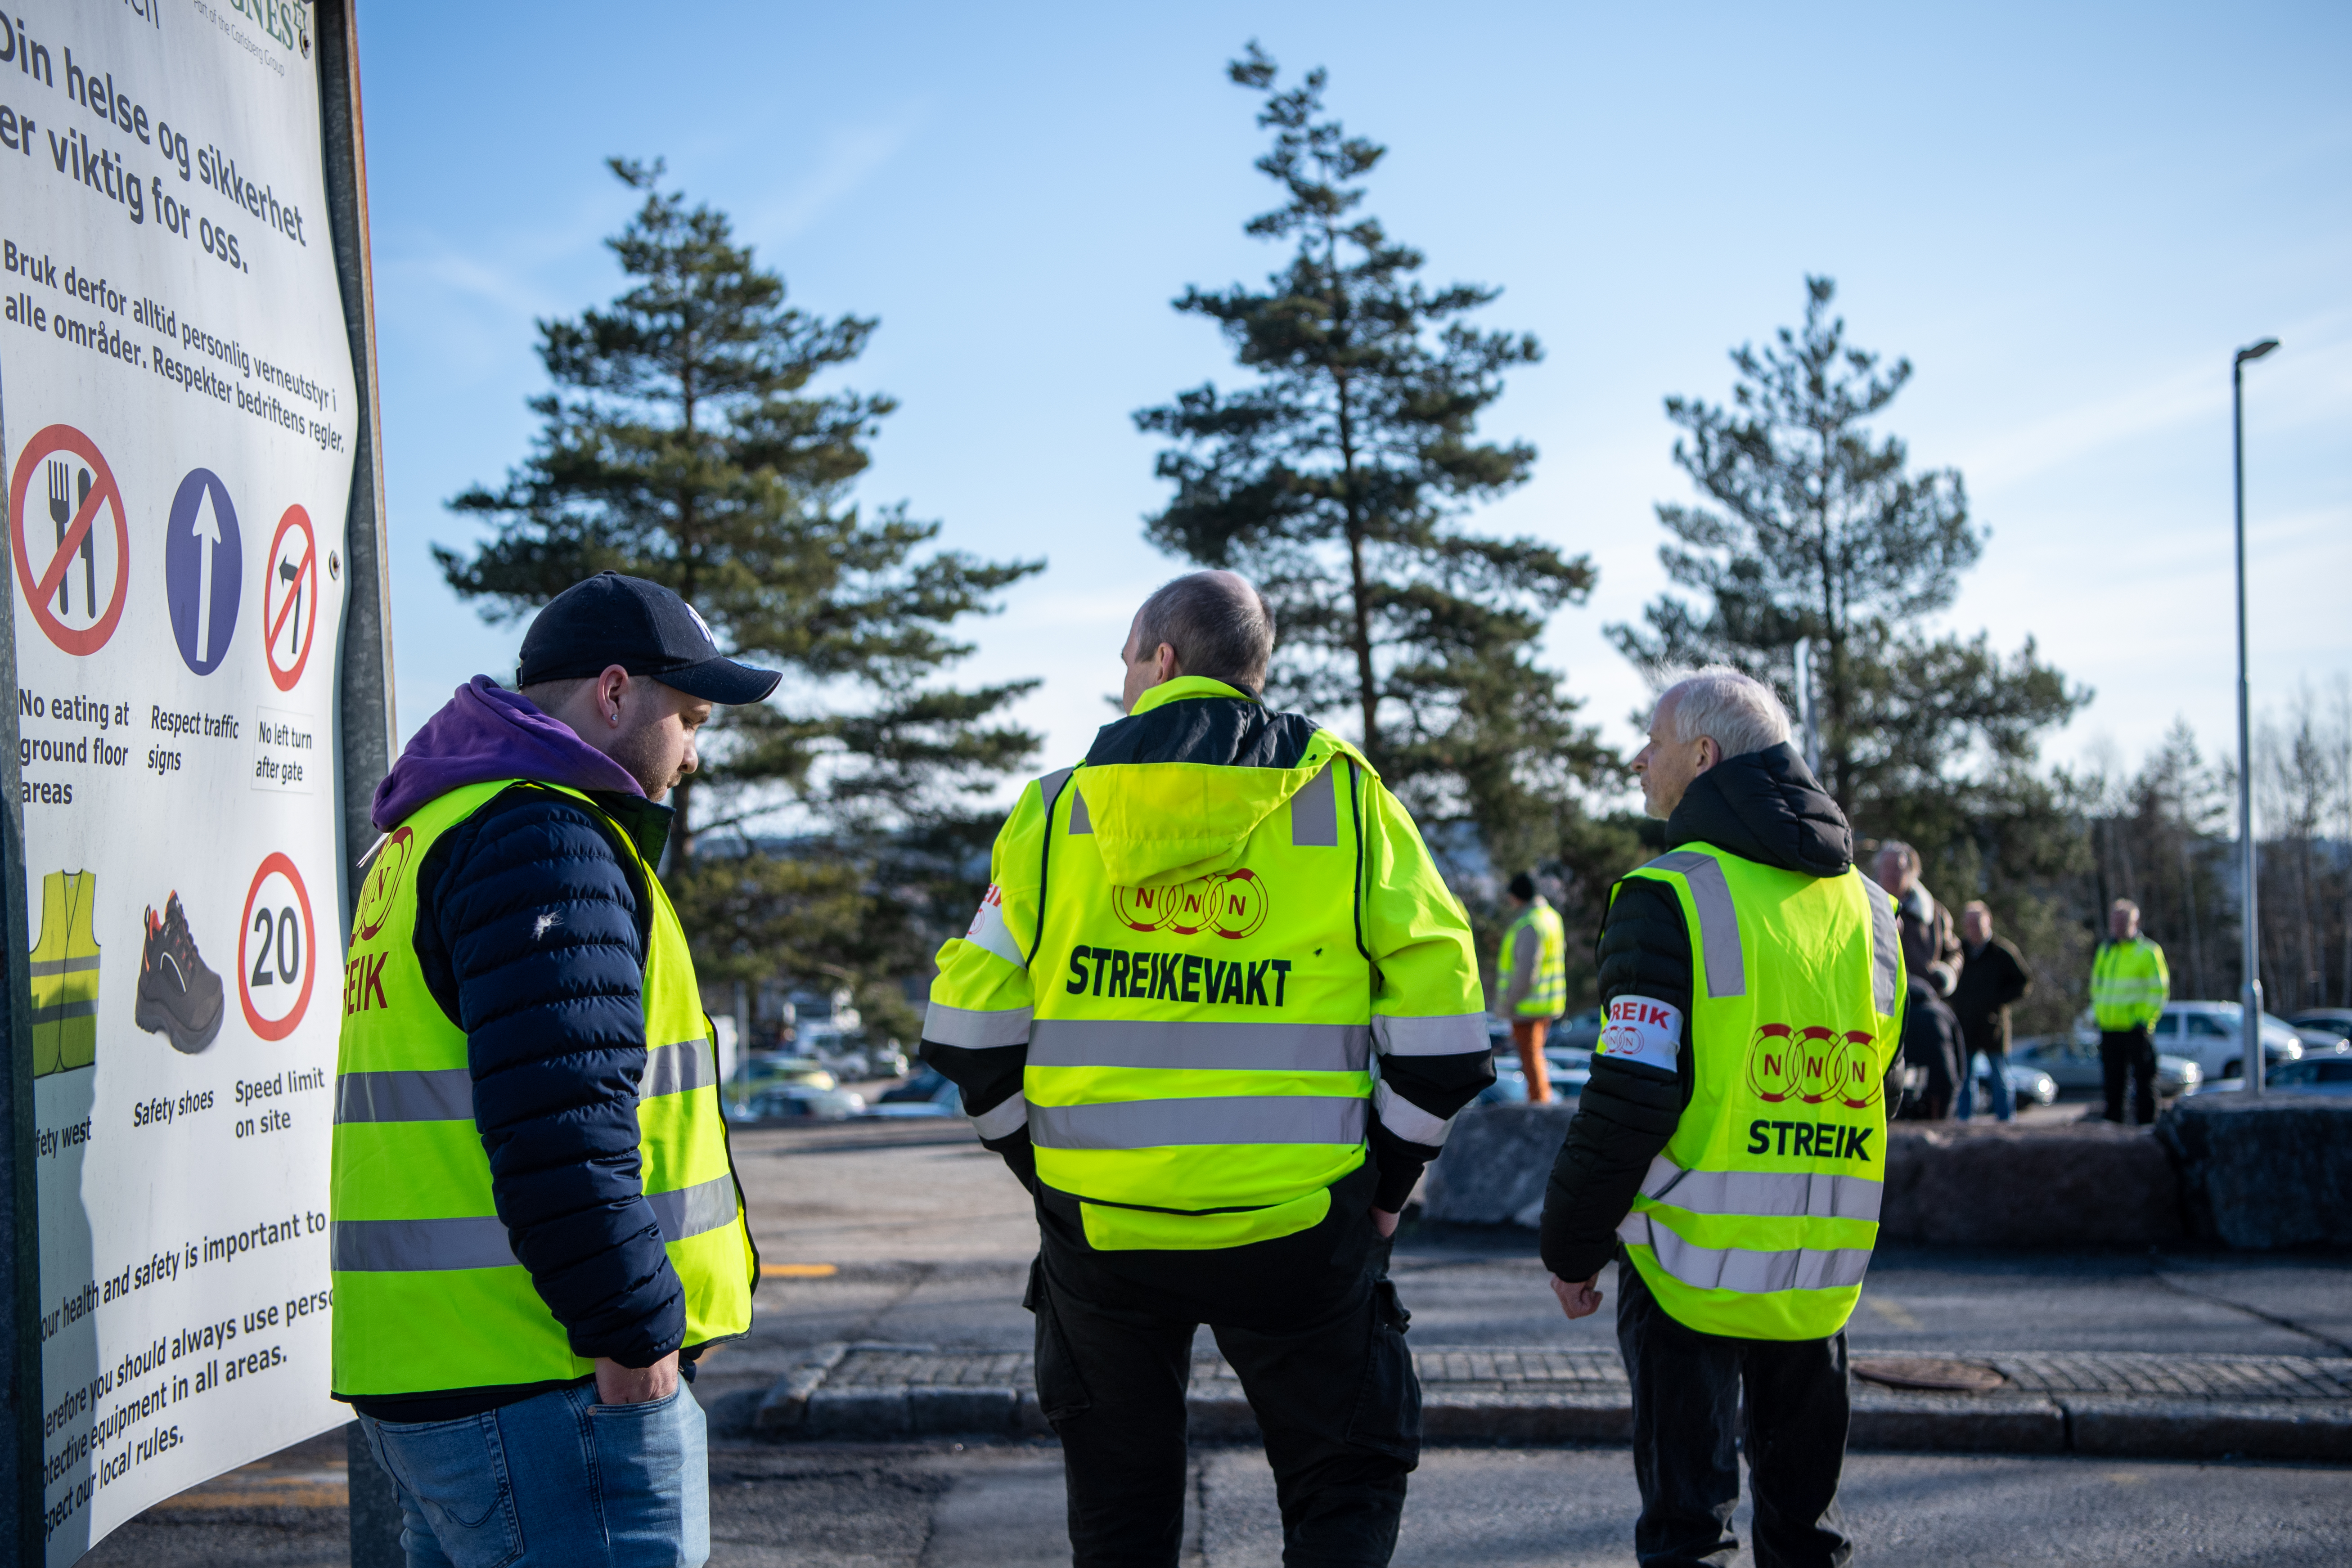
{"type": "Point", "coordinates": [1763, 807]}
{"type": "Point", "coordinates": [532, 930]}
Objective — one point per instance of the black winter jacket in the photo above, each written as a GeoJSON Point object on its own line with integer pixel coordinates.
{"type": "Point", "coordinates": [531, 930]}
{"type": "Point", "coordinates": [1763, 807]}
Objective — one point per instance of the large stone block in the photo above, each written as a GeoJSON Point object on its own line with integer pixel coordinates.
{"type": "Point", "coordinates": [1496, 1162]}
{"type": "Point", "coordinates": [2008, 1184]}
{"type": "Point", "coordinates": [2264, 1173]}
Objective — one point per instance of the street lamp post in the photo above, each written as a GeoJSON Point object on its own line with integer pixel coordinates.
{"type": "Point", "coordinates": [2249, 1040]}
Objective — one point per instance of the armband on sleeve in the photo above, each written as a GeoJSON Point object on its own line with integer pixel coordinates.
{"type": "Point", "coordinates": [1641, 1030]}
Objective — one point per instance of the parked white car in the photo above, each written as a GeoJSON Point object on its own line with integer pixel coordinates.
{"type": "Point", "coordinates": [2207, 1033]}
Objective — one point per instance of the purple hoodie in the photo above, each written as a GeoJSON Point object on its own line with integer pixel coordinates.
{"type": "Point", "coordinates": [488, 733]}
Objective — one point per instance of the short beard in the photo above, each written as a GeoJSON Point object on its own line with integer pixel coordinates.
{"type": "Point", "coordinates": [642, 753]}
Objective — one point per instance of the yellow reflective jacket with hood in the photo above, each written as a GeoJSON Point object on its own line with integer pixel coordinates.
{"type": "Point", "coordinates": [1214, 966]}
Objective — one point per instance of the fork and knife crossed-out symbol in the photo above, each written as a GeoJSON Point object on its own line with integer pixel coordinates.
{"type": "Point", "coordinates": [64, 502]}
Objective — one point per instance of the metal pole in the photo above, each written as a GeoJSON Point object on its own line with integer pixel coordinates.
{"type": "Point", "coordinates": [1808, 715]}
{"type": "Point", "coordinates": [21, 1439]}
{"type": "Point", "coordinates": [368, 733]}
{"type": "Point", "coordinates": [2250, 1038]}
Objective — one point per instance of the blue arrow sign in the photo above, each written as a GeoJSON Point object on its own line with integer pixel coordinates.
{"type": "Point", "coordinates": [204, 565]}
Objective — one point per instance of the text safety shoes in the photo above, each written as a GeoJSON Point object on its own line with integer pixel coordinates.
{"type": "Point", "coordinates": [178, 996]}
{"type": "Point", "coordinates": [65, 975]}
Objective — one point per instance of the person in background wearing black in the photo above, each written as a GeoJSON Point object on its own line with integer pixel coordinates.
{"type": "Point", "coordinates": [1931, 1039]}
{"type": "Point", "coordinates": [1994, 976]}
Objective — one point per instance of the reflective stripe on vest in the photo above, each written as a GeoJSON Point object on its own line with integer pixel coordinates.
{"type": "Point", "coordinates": [1273, 1048]}
{"type": "Point", "coordinates": [1759, 1219]}
{"type": "Point", "coordinates": [429, 1295]}
{"type": "Point", "coordinates": [446, 1094]}
{"type": "Point", "coordinates": [1210, 1120]}
{"type": "Point", "coordinates": [1764, 1192]}
{"type": "Point", "coordinates": [391, 1246]}
{"type": "Point", "coordinates": [1746, 1273]}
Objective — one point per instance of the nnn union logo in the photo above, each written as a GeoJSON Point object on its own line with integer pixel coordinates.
{"type": "Point", "coordinates": [1232, 903]}
{"type": "Point", "coordinates": [1812, 1065]}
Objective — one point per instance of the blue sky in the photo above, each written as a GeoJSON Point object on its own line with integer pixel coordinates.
{"type": "Point", "coordinates": [2066, 217]}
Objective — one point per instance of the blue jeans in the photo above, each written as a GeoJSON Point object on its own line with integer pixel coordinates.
{"type": "Point", "coordinates": [553, 1481]}
{"type": "Point", "coordinates": [2004, 1101]}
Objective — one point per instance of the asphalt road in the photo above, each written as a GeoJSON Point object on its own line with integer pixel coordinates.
{"type": "Point", "coordinates": [810, 1506]}
{"type": "Point", "coordinates": [929, 1241]}
{"type": "Point", "coordinates": [912, 1234]}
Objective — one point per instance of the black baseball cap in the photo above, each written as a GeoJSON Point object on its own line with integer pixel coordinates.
{"type": "Point", "coordinates": [645, 629]}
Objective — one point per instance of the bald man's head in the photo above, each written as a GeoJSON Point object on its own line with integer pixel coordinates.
{"type": "Point", "coordinates": [1212, 623]}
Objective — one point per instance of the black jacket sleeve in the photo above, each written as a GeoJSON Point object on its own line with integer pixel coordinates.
{"type": "Point", "coordinates": [2014, 980]}
{"type": "Point", "coordinates": [534, 940]}
{"type": "Point", "coordinates": [1629, 1110]}
{"type": "Point", "coordinates": [988, 1076]}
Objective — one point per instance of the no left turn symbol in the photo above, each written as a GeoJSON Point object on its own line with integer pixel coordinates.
{"type": "Point", "coordinates": [275, 956]}
{"type": "Point", "coordinates": [289, 597]}
{"type": "Point", "coordinates": [81, 562]}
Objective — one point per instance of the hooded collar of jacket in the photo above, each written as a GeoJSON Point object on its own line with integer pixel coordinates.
{"type": "Point", "coordinates": [485, 732]}
{"type": "Point", "coordinates": [1765, 806]}
{"type": "Point", "coordinates": [1177, 688]}
{"type": "Point", "coordinates": [1160, 822]}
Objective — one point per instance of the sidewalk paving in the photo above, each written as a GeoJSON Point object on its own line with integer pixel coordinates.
{"type": "Point", "coordinates": [2113, 1402]}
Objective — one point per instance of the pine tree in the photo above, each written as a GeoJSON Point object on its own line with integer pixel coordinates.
{"type": "Point", "coordinates": [1821, 531]}
{"type": "Point", "coordinates": [1337, 480]}
{"type": "Point", "coordinates": [682, 443]}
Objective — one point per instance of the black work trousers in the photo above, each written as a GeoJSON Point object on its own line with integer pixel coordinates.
{"type": "Point", "coordinates": [1690, 1427]}
{"type": "Point", "coordinates": [1310, 1323]}
{"type": "Point", "coordinates": [2129, 1052]}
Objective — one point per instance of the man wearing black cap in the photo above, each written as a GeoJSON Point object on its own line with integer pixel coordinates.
{"type": "Point", "coordinates": [535, 1223]}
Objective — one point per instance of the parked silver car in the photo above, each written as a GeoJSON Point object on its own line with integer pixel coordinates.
{"type": "Point", "coordinates": [2028, 1085]}
{"type": "Point", "coordinates": [2073, 1064]}
{"type": "Point", "coordinates": [2327, 1071]}
{"type": "Point", "coordinates": [799, 1103]}
{"type": "Point", "coordinates": [2323, 1025]}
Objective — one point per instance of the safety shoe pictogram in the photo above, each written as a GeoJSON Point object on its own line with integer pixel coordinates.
{"type": "Point", "coordinates": [178, 996]}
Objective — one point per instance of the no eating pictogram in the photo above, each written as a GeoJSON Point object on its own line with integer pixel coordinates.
{"type": "Point", "coordinates": [76, 491]}
{"type": "Point", "coordinates": [290, 596]}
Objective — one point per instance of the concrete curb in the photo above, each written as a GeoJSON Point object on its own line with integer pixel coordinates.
{"type": "Point", "coordinates": [866, 1391]}
{"type": "Point", "coordinates": [2187, 1428]}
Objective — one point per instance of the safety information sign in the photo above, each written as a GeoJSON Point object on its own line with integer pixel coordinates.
{"type": "Point", "coordinates": [178, 414]}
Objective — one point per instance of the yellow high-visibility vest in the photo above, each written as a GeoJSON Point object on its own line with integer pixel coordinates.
{"type": "Point", "coordinates": [2130, 984]}
{"type": "Point", "coordinates": [1546, 997]}
{"type": "Point", "coordinates": [429, 1295]}
{"type": "Point", "coordinates": [1759, 1219]}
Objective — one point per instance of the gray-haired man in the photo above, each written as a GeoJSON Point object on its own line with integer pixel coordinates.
{"type": "Point", "coordinates": [1732, 1130]}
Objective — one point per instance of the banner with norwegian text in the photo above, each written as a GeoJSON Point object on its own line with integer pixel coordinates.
{"type": "Point", "coordinates": [177, 415]}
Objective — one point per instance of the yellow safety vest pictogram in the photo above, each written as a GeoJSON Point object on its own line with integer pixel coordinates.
{"type": "Point", "coordinates": [65, 975]}
{"type": "Point", "coordinates": [429, 1295]}
{"type": "Point", "coordinates": [1546, 997]}
{"type": "Point", "coordinates": [1759, 1218]}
